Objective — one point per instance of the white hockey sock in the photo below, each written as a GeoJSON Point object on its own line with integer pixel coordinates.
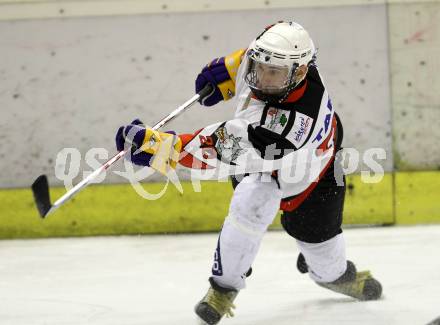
{"type": "Point", "coordinates": [253, 208]}
{"type": "Point", "coordinates": [326, 261]}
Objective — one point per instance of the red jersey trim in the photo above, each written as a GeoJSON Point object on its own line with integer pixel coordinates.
{"type": "Point", "coordinates": [296, 94]}
{"type": "Point", "coordinates": [295, 202]}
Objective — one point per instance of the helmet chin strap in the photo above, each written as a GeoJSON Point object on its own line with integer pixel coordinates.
{"type": "Point", "coordinates": [291, 88]}
{"type": "Point", "coordinates": [294, 85]}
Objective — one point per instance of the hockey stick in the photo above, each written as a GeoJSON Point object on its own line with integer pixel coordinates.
{"type": "Point", "coordinates": [40, 187]}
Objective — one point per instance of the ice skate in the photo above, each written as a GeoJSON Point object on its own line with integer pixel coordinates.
{"type": "Point", "coordinates": [359, 285]}
{"type": "Point", "coordinates": [215, 304]}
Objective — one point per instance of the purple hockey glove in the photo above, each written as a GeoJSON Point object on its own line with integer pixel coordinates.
{"type": "Point", "coordinates": [216, 74]}
{"type": "Point", "coordinates": [133, 134]}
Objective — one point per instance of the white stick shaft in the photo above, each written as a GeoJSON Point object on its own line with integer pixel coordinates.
{"type": "Point", "coordinates": [176, 112]}
{"type": "Point", "coordinates": [86, 181]}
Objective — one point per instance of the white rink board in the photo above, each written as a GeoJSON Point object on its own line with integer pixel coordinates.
{"type": "Point", "coordinates": [71, 82]}
{"type": "Point", "coordinates": [157, 280]}
{"type": "Point", "coordinates": [415, 49]}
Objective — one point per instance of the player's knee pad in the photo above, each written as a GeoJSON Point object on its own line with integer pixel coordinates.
{"type": "Point", "coordinates": [325, 261]}
{"type": "Point", "coordinates": [255, 203]}
{"type": "Point", "coordinates": [253, 207]}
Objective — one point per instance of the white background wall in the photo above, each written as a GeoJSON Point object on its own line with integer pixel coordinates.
{"type": "Point", "coordinates": [72, 82]}
{"type": "Point", "coordinates": [415, 57]}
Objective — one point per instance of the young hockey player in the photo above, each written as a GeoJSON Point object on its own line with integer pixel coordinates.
{"type": "Point", "coordinates": [284, 125]}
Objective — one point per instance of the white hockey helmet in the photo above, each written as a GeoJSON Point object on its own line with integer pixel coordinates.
{"type": "Point", "coordinates": [274, 58]}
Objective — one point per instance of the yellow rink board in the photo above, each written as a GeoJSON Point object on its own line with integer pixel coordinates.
{"type": "Point", "coordinates": [418, 197]}
{"type": "Point", "coordinates": [118, 209]}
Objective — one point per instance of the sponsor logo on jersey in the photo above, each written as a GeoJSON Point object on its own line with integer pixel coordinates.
{"type": "Point", "coordinates": [303, 129]}
{"type": "Point", "coordinates": [300, 129]}
{"type": "Point", "coordinates": [276, 120]}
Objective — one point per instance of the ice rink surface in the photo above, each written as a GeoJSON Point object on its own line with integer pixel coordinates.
{"type": "Point", "coordinates": [158, 279]}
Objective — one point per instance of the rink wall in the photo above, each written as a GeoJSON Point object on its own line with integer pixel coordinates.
{"type": "Point", "coordinates": [116, 209]}
{"type": "Point", "coordinates": [71, 72]}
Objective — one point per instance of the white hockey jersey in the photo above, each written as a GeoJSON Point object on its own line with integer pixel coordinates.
{"type": "Point", "coordinates": [293, 140]}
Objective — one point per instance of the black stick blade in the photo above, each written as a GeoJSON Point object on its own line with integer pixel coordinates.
{"type": "Point", "coordinates": [40, 189]}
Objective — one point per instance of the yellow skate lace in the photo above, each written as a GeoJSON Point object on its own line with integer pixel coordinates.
{"type": "Point", "coordinates": [221, 302]}
{"type": "Point", "coordinates": [359, 283]}
{"type": "Point", "coordinates": [356, 287]}
{"type": "Point", "coordinates": [353, 288]}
